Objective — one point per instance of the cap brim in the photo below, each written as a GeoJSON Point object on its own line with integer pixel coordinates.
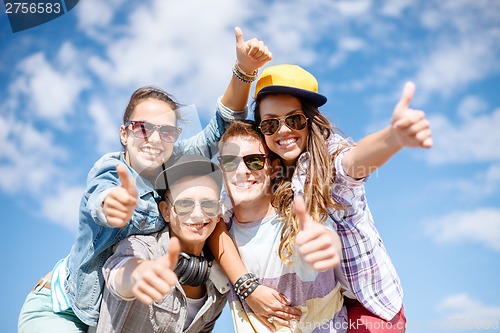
{"type": "Point", "coordinates": [189, 167]}
{"type": "Point", "coordinates": [312, 97]}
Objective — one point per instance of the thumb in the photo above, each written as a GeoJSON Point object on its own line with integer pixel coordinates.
{"type": "Point", "coordinates": [238, 33]}
{"type": "Point", "coordinates": [126, 182]}
{"type": "Point", "coordinates": [408, 92]}
{"type": "Point", "coordinates": [300, 211]}
{"type": "Point", "coordinates": [173, 252]}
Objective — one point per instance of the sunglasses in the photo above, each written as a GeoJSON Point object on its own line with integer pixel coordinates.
{"type": "Point", "coordinates": [296, 121]}
{"type": "Point", "coordinates": [144, 130]}
{"type": "Point", "coordinates": [183, 207]}
{"type": "Point", "coordinates": [253, 162]}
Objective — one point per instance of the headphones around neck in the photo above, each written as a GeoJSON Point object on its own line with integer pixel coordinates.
{"type": "Point", "coordinates": [193, 270]}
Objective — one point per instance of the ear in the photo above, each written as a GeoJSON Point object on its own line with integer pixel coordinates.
{"type": "Point", "coordinates": [164, 208]}
{"type": "Point", "coordinates": [123, 135]}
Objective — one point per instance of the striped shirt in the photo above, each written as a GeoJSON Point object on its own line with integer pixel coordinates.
{"type": "Point", "coordinates": [317, 294]}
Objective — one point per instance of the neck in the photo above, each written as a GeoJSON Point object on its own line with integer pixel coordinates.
{"type": "Point", "coordinates": [149, 176]}
{"type": "Point", "coordinates": [254, 211]}
{"type": "Point", "coordinates": [192, 249]}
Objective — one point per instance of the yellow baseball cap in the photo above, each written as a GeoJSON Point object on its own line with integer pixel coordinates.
{"type": "Point", "coordinates": [291, 80]}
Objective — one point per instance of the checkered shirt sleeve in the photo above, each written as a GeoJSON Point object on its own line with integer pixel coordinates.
{"type": "Point", "coordinates": [365, 263]}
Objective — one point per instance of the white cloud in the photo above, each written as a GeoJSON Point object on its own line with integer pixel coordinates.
{"type": "Point", "coordinates": [159, 44]}
{"type": "Point", "coordinates": [28, 157]}
{"type": "Point", "coordinates": [474, 140]}
{"type": "Point", "coordinates": [464, 48]}
{"type": "Point", "coordinates": [353, 8]}
{"type": "Point", "coordinates": [51, 87]}
{"type": "Point", "coordinates": [470, 106]}
{"type": "Point", "coordinates": [456, 64]}
{"type": "Point", "coordinates": [95, 14]}
{"type": "Point", "coordinates": [466, 313]}
{"type": "Point", "coordinates": [395, 8]}
{"type": "Point", "coordinates": [481, 225]}
{"type": "Point", "coordinates": [473, 187]}
{"type": "Point", "coordinates": [345, 47]}
{"type": "Point", "coordinates": [105, 127]}
{"type": "Point", "coordinates": [62, 206]}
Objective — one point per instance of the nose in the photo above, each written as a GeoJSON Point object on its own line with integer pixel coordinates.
{"type": "Point", "coordinates": [282, 127]}
{"type": "Point", "coordinates": [154, 137]}
{"type": "Point", "coordinates": [197, 214]}
{"type": "Point", "coordinates": [242, 168]}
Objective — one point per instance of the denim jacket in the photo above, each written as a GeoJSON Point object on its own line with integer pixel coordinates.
{"type": "Point", "coordinates": [84, 280]}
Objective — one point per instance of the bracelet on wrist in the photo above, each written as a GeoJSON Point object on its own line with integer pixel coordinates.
{"type": "Point", "coordinates": [249, 290]}
{"type": "Point", "coordinates": [246, 285]}
{"type": "Point", "coordinates": [243, 76]}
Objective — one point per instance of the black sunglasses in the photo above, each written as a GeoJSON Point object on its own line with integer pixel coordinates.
{"type": "Point", "coordinates": [253, 162]}
{"type": "Point", "coordinates": [296, 121]}
{"type": "Point", "coordinates": [183, 207]}
{"type": "Point", "coordinates": [144, 130]}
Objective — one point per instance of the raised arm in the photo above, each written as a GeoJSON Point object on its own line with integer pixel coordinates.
{"type": "Point", "coordinates": [147, 280]}
{"type": "Point", "coordinates": [250, 56]}
{"type": "Point", "coordinates": [408, 128]}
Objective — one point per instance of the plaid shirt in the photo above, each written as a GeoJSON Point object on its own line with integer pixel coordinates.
{"type": "Point", "coordinates": [368, 270]}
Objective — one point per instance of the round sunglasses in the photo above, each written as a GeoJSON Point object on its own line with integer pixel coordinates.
{"type": "Point", "coordinates": [253, 162]}
{"type": "Point", "coordinates": [270, 126]}
{"type": "Point", "coordinates": [143, 130]}
{"type": "Point", "coordinates": [183, 207]}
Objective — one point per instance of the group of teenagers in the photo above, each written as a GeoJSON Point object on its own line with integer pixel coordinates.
{"type": "Point", "coordinates": [268, 214]}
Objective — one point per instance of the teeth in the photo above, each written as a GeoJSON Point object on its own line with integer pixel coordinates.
{"type": "Point", "coordinates": [245, 184]}
{"type": "Point", "coordinates": [150, 150]}
{"type": "Point", "coordinates": [287, 142]}
{"type": "Point", "coordinates": [196, 225]}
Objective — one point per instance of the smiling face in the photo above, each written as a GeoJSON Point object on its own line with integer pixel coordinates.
{"type": "Point", "coordinates": [247, 188]}
{"type": "Point", "coordinates": [192, 227]}
{"type": "Point", "coordinates": [286, 142]}
{"type": "Point", "coordinates": [146, 155]}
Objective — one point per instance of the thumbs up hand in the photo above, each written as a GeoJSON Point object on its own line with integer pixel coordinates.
{"type": "Point", "coordinates": [119, 204]}
{"type": "Point", "coordinates": [319, 246]}
{"type": "Point", "coordinates": [153, 279]}
{"type": "Point", "coordinates": [251, 54]}
{"type": "Point", "coordinates": [411, 127]}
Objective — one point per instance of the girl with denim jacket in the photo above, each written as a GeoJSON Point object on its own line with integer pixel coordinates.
{"type": "Point", "coordinates": [68, 298]}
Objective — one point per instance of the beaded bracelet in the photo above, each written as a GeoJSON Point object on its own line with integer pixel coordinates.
{"type": "Point", "coordinates": [243, 76]}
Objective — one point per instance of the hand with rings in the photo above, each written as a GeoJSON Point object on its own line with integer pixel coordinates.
{"type": "Point", "coordinates": [272, 308]}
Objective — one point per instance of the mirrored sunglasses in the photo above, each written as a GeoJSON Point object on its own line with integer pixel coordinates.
{"type": "Point", "coordinates": [253, 162]}
{"type": "Point", "coordinates": [296, 121]}
{"type": "Point", "coordinates": [144, 130]}
{"type": "Point", "coordinates": [183, 207]}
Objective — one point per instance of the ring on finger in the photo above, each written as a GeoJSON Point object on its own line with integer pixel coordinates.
{"type": "Point", "coordinates": [270, 319]}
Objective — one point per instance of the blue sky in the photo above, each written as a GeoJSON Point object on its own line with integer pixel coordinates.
{"type": "Point", "coordinates": [64, 86]}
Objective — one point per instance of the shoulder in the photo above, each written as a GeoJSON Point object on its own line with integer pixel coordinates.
{"type": "Point", "coordinates": [106, 163]}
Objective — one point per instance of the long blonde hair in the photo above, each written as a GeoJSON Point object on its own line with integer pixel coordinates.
{"type": "Point", "coordinates": [320, 178]}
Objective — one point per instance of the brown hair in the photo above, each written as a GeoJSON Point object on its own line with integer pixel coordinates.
{"type": "Point", "coordinates": [150, 92]}
{"type": "Point", "coordinates": [243, 128]}
{"type": "Point", "coordinates": [320, 178]}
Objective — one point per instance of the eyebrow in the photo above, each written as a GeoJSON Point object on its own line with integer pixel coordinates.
{"type": "Point", "coordinates": [271, 115]}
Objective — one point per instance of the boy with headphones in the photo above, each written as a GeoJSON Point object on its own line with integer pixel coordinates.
{"type": "Point", "coordinates": [168, 280]}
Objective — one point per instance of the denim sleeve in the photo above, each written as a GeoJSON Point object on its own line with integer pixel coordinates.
{"type": "Point", "coordinates": [101, 180]}
{"type": "Point", "coordinates": [205, 142]}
